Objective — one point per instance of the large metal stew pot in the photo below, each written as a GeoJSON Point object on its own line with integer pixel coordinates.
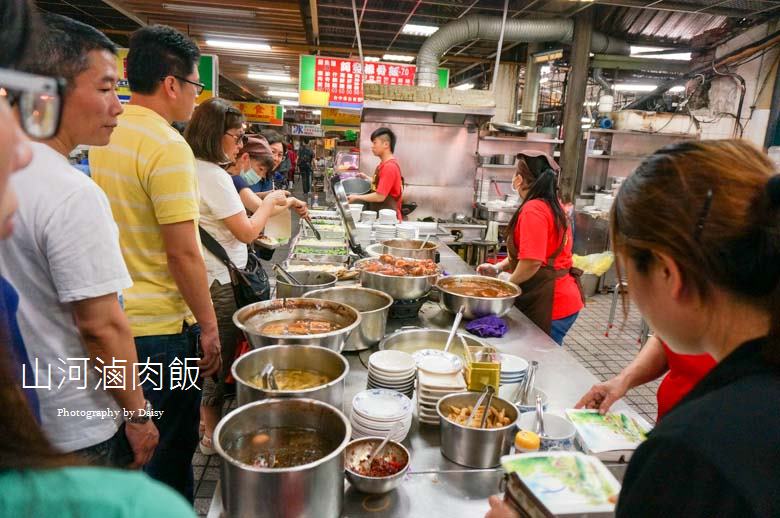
{"type": "Point", "coordinates": [476, 307]}
{"type": "Point", "coordinates": [251, 319]}
{"type": "Point", "coordinates": [400, 288]}
{"type": "Point", "coordinates": [410, 248]}
{"type": "Point", "coordinates": [310, 280]}
{"type": "Point", "coordinates": [288, 357]}
{"type": "Point", "coordinates": [374, 307]}
{"type": "Point", "coordinates": [314, 489]}
{"type": "Point", "coordinates": [410, 340]}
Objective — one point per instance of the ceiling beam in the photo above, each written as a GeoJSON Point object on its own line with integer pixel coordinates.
{"type": "Point", "coordinates": [315, 21]}
{"type": "Point", "coordinates": [119, 6]}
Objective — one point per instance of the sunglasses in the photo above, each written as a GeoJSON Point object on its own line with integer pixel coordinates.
{"type": "Point", "coordinates": [38, 98]}
{"type": "Point", "coordinates": [199, 87]}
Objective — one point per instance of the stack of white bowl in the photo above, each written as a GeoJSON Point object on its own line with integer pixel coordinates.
{"type": "Point", "coordinates": [363, 233]}
{"type": "Point", "coordinates": [394, 370]}
{"type": "Point", "coordinates": [368, 216]}
{"type": "Point", "coordinates": [513, 369]}
{"type": "Point", "coordinates": [388, 217]}
{"type": "Point", "coordinates": [407, 231]}
{"type": "Point", "coordinates": [356, 209]}
{"type": "Point", "coordinates": [376, 412]}
{"type": "Point", "coordinates": [384, 232]}
{"type": "Point", "coordinates": [438, 374]}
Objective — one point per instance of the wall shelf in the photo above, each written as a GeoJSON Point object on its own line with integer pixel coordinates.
{"type": "Point", "coordinates": [521, 140]}
{"type": "Point", "coordinates": [496, 166]}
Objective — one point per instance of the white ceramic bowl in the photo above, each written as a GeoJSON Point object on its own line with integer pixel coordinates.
{"type": "Point", "coordinates": [558, 431]}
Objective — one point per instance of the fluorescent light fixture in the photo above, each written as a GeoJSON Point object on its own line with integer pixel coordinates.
{"type": "Point", "coordinates": [653, 53]}
{"type": "Point", "coordinates": [269, 76]}
{"type": "Point", "coordinates": [677, 89]}
{"type": "Point", "coordinates": [215, 11]}
{"type": "Point", "coordinates": [546, 69]}
{"type": "Point", "coordinates": [586, 126]}
{"type": "Point", "coordinates": [590, 103]}
{"type": "Point", "coordinates": [238, 45]}
{"type": "Point", "coordinates": [398, 57]}
{"type": "Point", "coordinates": [418, 30]}
{"type": "Point", "coordinates": [465, 86]}
{"type": "Point", "coordinates": [520, 110]}
{"type": "Point", "coordinates": [316, 112]}
{"type": "Point", "coordinates": [282, 93]}
{"type": "Point", "coordinates": [372, 59]}
{"type": "Point", "coordinates": [544, 80]}
{"type": "Point", "coordinates": [586, 119]}
{"type": "Point", "coordinates": [627, 87]}
{"type": "Point", "coordinates": [288, 102]}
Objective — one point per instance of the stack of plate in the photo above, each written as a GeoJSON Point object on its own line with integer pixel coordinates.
{"type": "Point", "coordinates": [376, 412]}
{"type": "Point", "coordinates": [388, 217]}
{"type": "Point", "coordinates": [384, 232]}
{"type": "Point", "coordinates": [394, 370]}
{"type": "Point", "coordinates": [363, 233]}
{"type": "Point", "coordinates": [368, 216]}
{"type": "Point", "coordinates": [431, 388]}
{"type": "Point", "coordinates": [513, 369]}
{"type": "Point", "coordinates": [406, 231]}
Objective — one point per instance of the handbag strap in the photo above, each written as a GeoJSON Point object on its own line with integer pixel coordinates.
{"type": "Point", "coordinates": [213, 246]}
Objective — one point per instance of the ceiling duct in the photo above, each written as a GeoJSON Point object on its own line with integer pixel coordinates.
{"type": "Point", "coordinates": [481, 27]}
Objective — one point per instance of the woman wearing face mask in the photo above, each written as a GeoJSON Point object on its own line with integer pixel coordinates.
{"type": "Point", "coordinates": [215, 135]}
{"type": "Point", "coordinates": [539, 246]}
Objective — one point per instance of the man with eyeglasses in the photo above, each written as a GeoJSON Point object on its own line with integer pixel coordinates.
{"type": "Point", "coordinates": [148, 173]}
{"type": "Point", "coordinates": [65, 258]}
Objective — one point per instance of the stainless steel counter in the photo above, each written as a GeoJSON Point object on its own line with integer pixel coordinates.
{"type": "Point", "coordinates": [434, 486]}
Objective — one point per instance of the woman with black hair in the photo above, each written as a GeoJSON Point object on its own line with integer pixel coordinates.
{"type": "Point", "coordinates": [539, 244]}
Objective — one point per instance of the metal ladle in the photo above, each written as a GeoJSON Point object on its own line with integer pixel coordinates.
{"type": "Point", "coordinates": [539, 417]}
{"type": "Point", "coordinates": [287, 276]}
{"type": "Point", "coordinates": [455, 325]}
{"type": "Point", "coordinates": [267, 374]}
{"type": "Point", "coordinates": [425, 242]}
{"type": "Point", "coordinates": [371, 456]}
{"type": "Point", "coordinates": [488, 390]}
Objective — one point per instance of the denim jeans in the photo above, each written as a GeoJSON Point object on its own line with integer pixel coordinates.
{"type": "Point", "coordinates": [561, 326]}
{"type": "Point", "coordinates": [114, 452]}
{"type": "Point", "coordinates": [178, 425]}
{"type": "Point", "coordinates": [305, 179]}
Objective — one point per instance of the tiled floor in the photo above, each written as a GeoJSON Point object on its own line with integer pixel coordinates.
{"type": "Point", "coordinates": [601, 355]}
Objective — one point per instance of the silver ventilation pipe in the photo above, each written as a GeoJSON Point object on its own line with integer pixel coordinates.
{"type": "Point", "coordinates": [601, 81]}
{"type": "Point", "coordinates": [489, 28]}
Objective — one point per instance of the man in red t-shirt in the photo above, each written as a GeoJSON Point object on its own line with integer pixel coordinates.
{"type": "Point", "coordinates": [387, 183]}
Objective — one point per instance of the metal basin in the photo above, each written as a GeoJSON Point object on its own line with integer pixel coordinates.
{"type": "Point", "coordinates": [314, 489]}
{"type": "Point", "coordinates": [250, 319]}
{"type": "Point", "coordinates": [400, 288]}
{"type": "Point", "coordinates": [374, 307]}
{"type": "Point", "coordinates": [410, 248]}
{"type": "Point", "coordinates": [475, 447]}
{"type": "Point", "coordinates": [300, 357]}
{"type": "Point", "coordinates": [475, 307]}
{"type": "Point", "coordinates": [309, 279]}
{"type": "Point", "coordinates": [359, 449]}
{"type": "Point", "coordinates": [410, 340]}
{"type": "Point", "coordinates": [356, 186]}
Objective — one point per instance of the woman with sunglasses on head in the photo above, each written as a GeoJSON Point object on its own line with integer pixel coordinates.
{"type": "Point", "coordinates": [539, 246]}
{"type": "Point", "coordinates": [215, 134]}
{"type": "Point", "coordinates": [35, 478]}
{"type": "Point", "coordinates": [697, 228]}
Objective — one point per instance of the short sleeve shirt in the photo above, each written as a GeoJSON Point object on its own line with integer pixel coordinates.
{"type": "Point", "coordinates": [537, 238]}
{"type": "Point", "coordinates": [389, 183]}
{"type": "Point", "coordinates": [219, 200]}
{"type": "Point", "coordinates": [148, 174]}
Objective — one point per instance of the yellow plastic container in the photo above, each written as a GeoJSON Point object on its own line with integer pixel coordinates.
{"type": "Point", "coordinates": [479, 372]}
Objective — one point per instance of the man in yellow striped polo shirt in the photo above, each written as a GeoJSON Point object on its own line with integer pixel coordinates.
{"type": "Point", "coordinates": [148, 173]}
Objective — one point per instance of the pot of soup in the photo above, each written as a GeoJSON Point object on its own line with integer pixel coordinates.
{"type": "Point", "coordinates": [297, 321]}
{"type": "Point", "coordinates": [305, 371]}
{"type": "Point", "coordinates": [411, 248]}
{"type": "Point", "coordinates": [480, 296]}
{"type": "Point", "coordinates": [283, 458]}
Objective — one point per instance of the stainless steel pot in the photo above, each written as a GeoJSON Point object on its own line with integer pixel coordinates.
{"type": "Point", "coordinates": [400, 288]}
{"type": "Point", "coordinates": [315, 489]}
{"type": "Point", "coordinates": [374, 307]}
{"type": "Point", "coordinates": [410, 248]}
{"type": "Point", "coordinates": [300, 357]}
{"type": "Point", "coordinates": [475, 307]}
{"type": "Point", "coordinates": [356, 186]}
{"type": "Point", "coordinates": [250, 319]}
{"type": "Point", "coordinates": [504, 159]}
{"type": "Point", "coordinates": [475, 447]}
{"type": "Point", "coordinates": [309, 279]}
{"type": "Point", "coordinates": [413, 339]}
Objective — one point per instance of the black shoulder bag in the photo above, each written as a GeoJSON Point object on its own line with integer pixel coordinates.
{"type": "Point", "coordinates": [250, 284]}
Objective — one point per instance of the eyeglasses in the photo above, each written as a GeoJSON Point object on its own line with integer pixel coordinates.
{"type": "Point", "coordinates": [239, 137]}
{"type": "Point", "coordinates": [199, 87]}
{"type": "Point", "coordinates": [39, 99]}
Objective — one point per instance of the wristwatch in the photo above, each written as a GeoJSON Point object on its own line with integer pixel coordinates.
{"type": "Point", "coordinates": [142, 419]}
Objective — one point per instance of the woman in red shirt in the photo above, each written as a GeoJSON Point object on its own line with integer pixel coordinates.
{"type": "Point", "coordinates": [683, 372]}
{"type": "Point", "coordinates": [539, 245]}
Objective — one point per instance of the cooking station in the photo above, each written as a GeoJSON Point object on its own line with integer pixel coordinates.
{"type": "Point", "coordinates": [435, 486]}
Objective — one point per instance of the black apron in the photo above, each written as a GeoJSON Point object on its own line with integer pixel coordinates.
{"type": "Point", "coordinates": [536, 298]}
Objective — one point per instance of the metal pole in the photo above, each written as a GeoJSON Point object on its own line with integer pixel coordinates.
{"type": "Point", "coordinates": [500, 44]}
{"type": "Point", "coordinates": [774, 113]}
{"type": "Point", "coordinates": [575, 97]}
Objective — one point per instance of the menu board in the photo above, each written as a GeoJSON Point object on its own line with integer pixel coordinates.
{"type": "Point", "coordinates": [336, 117]}
{"type": "Point", "coordinates": [338, 83]}
{"type": "Point", "coordinates": [271, 114]}
{"type": "Point", "coordinates": [207, 69]}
